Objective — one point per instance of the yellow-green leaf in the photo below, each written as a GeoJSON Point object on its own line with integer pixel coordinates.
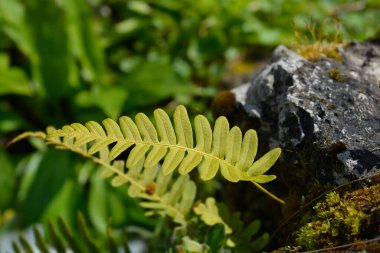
{"type": "Point", "coordinates": [264, 163]}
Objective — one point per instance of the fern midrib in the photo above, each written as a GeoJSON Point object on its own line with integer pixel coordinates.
{"type": "Point", "coordinates": [153, 197]}
{"type": "Point", "coordinates": [169, 146]}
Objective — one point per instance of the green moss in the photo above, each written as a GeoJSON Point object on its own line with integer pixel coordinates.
{"type": "Point", "coordinates": [331, 107]}
{"type": "Point", "coordinates": [338, 220]}
{"type": "Point", "coordinates": [317, 50]}
{"type": "Point", "coordinates": [319, 44]}
{"type": "Point", "coordinates": [336, 75]}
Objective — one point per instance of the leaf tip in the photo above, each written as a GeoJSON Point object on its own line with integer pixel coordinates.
{"type": "Point", "coordinates": [26, 135]}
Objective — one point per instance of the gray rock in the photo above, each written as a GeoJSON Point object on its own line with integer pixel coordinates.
{"type": "Point", "coordinates": [325, 116]}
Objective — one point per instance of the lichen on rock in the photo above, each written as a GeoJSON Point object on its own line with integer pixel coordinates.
{"type": "Point", "coordinates": [336, 75]}
{"type": "Point", "coordinates": [305, 107]}
{"type": "Point", "coordinates": [326, 124]}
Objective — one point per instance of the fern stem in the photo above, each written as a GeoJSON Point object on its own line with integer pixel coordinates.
{"type": "Point", "coordinates": [268, 192]}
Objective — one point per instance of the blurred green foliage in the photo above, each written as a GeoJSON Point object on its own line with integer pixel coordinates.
{"type": "Point", "coordinates": [63, 238]}
{"type": "Point", "coordinates": [75, 60]}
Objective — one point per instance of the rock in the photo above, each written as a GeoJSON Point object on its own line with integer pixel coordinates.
{"type": "Point", "coordinates": [325, 115]}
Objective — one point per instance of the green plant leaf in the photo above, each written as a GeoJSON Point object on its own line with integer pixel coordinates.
{"type": "Point", "coordinates": [13, 21]}
{"type": "Point", "coordinates": [209, 213]}
{"type": "Point", "coordinates": [227, 151]}
{"type": "Point", "coordinates": [97, 204]}
{"type": "Point", "coordinates": [14, 81]}
{"type": "Point", "coordinates": [262, 179]}
{"type": "Point", "coordinates": [109, 99]}
{"type": "Point", "coordinates": [63, 240]}
{"type": "Point", "coordinates": [252, 229]}
{"type": "Point", "coordinates": [264, 163]}
{"type": "Point", "coordinates": [46, 26]}
{"type": "Point", "coordinates": [244, 238]}
{"type": "Point", "coordinates": [192, 246]}
{"type": "Point", "coordinates": [56, 238]}
{"type": "Point", "coordinates": [215, 238]}
{"type": "Point", "coordinates": [64, 203]}
{"type": "Point", "coordinates": [43, 247]}
{"type": "Point", "coordinates": [51, 175]}
{"type": "Point", "coordinates": [7, 181]}
{"type": "Point", "coordinates": [90, 243]}
{"type": "Point", "coordinates": [153, 82]}
{"type": "Point", "coordinates": [25, 244]}
{"type": "Point", "coordinates": [16, 248]}
{"type": "Point", "coordinates": [84, 43]}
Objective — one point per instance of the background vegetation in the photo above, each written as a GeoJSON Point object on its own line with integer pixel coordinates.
{"type": "Point", "coordinates": [68, 61]}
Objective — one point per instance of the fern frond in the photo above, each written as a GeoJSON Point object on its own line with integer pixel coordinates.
{"type": "Point", "coordinates": [161, 193]}
{"type": "Point", "coordinates": [209, 214]}
{"type": "Point", "coordinates": [155, 150]}
{"type": "Point", "coordinates": [221, 149]}
{"type": "Point", "coordinates": [62, 239]}
{"type": "Point", "coordinates": [165, 194]}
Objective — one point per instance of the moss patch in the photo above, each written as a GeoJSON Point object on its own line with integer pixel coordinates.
{"type": "Point", "coordinates": [338, 220]}
{"type": "Point", "coordinates": [317, 50]}
{"type": "Point", "coordinates": [336, 75]}
{"type": "Point", "coordinates": [317, 43]}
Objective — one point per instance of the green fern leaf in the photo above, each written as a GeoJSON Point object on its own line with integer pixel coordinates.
{"type": "Point", "coordinates": [63, 240]}
{"type": "Point", "coordinates": [165, 127]}
{"type": "Point", "coordinates": [209, 214]}
{"type": "Point", "coordinates": [40, 241]}
{"type": "Point", "coordinates": [248, 150]}
{"type": "Point", "coordinates": [264, 163]}
{"type": "Point", "coordinates": [221, 149]}
{"type": "Point", "coordinates": [156, 150]}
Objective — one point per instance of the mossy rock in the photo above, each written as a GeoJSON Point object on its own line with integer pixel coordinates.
{"type": "Point", "coordinates": [339, 220]}
{"type": "Point", "coordinates": [324, 115]}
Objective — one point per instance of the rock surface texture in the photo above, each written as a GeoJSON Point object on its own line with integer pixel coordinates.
{"type": "Point", "coordinates": [325, 115]}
